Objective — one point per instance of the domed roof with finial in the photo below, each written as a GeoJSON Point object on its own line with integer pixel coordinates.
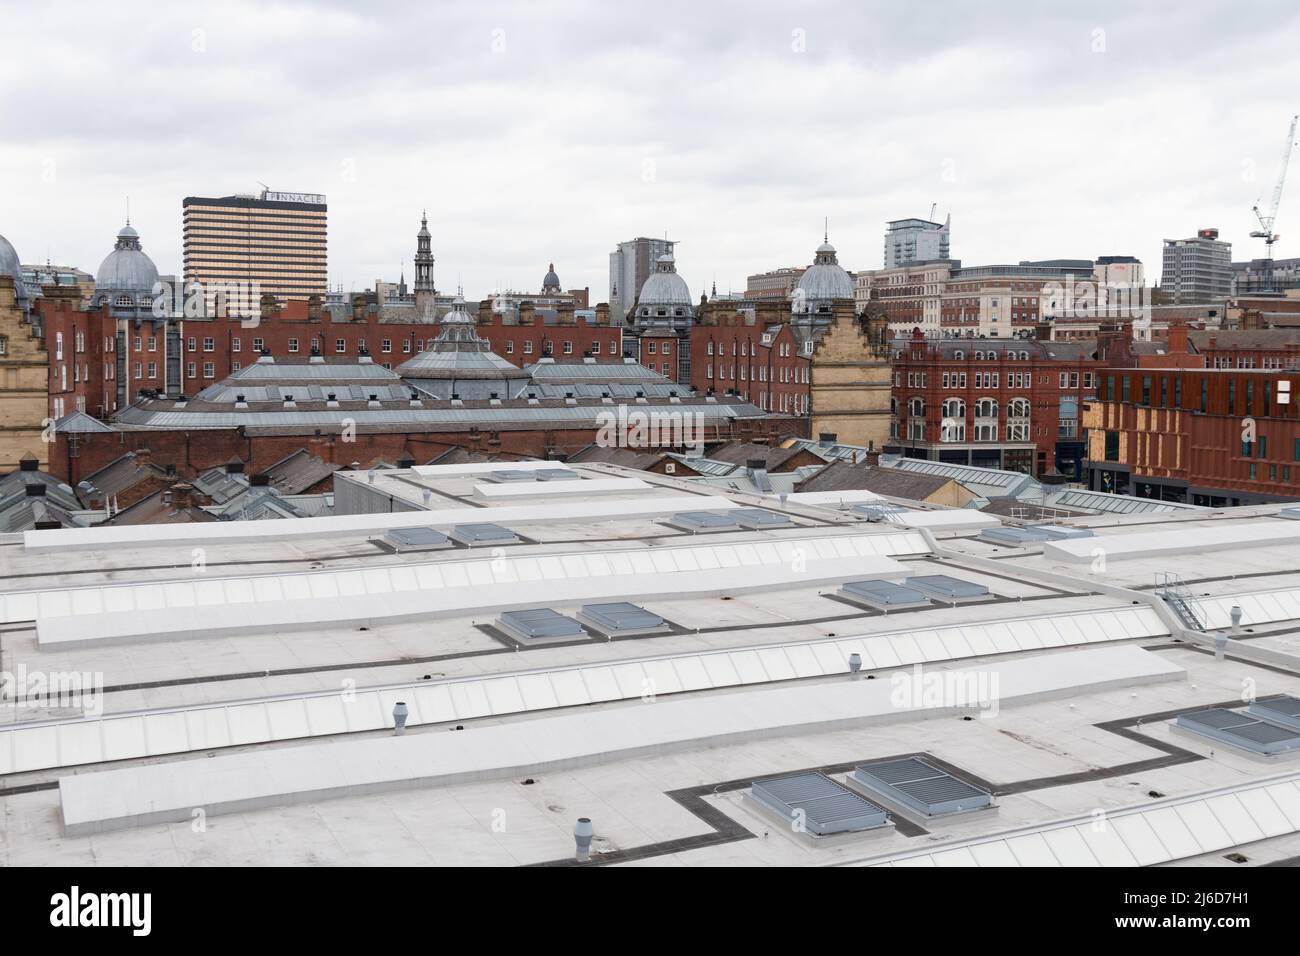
{"type": "Point", "coordinates": [127, 269]}
{"type": "Point", "coordinates": [664, 286]}
{"type": "Point", "coordinates": [551, 284]}
{"type": "Point", "coordinates": [825, 279]}
{"type": "Point", "coordinates": [11, 266]}
{"type": "Point", "coordinates": [424, 226]}
{"type": "Point", "coordinates": [459, 355]}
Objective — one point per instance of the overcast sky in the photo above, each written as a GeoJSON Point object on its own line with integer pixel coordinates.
{"type": "Point", "coordinates": [538, 132]}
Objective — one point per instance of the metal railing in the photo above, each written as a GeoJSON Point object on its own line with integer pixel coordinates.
{"type": "Point", "coordinates": [1171, 588]}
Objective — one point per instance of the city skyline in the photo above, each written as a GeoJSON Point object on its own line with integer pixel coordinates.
{"type": "Point", "coordinates": [691, 133]}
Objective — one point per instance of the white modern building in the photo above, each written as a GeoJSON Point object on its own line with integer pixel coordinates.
{"type": "Point", "coordinates": [675, 663]}
{"type": "Point", "coordinates": [917, 240]}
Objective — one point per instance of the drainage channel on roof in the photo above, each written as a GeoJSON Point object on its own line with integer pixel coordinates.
{"type": "Point", "coordinates": [1283, 711]}
{"type": "Point", "coordinates": [926, 790]}
{"type": "Point", "coordinates": [406, 540]}
{"type": "Point", "coordinates": [482, 534]}
{"type": "Point", "coordinates": [1241, 730]}
{"type": "Point", "coordinates": [947, 588]}
{"type": "Point", "coordinates": [703, 521]}
{"type": "Point", "coordinates": [882, 595]}
{"type": "Point", "coordinates": [1014, 537]}
{"type": "Point", "coordinates": [818, 804]}
{"type": "Point", "coordinates": [620, 618]}
{"type": "Point", "coordinates": [540, 625]}
{"type": "Point", "coordinates": [756, 519]}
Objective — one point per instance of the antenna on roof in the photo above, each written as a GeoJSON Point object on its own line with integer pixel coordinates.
{"type": "Point", "coordinates": [128, 210]}
{"type": "Point", "coordinates": [826, 229]}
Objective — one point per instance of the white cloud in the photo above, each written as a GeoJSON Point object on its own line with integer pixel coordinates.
{"type": "Point", "coordinates": [548, 132]}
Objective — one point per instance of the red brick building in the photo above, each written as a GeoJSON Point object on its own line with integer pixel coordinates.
{"type": "Point", "coordinates": [100, 360]}
{"type": "Point", "coordinates": [997, 403]}
{"type": "Point", "coordinates": [1214, 437]}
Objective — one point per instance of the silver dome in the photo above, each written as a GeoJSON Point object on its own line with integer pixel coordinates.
{"type": "Point", "coordinates": [824, 280]}
{"type": "Point", "coordinates": [664, 286]}
{"type": "Point", "coordinates": [10, 266]}
{"type": "Point", "coordinates": [127, 269]}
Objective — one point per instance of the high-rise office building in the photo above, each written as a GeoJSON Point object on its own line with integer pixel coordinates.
{"type": "Point", "coordinates": [916, 240]}
{"type": "Point", "coordinates": [275, 242]}
{"type": "Point", "coordinates": [629, 266]}
{"type": "Point", "coordinates": [1197, 269]}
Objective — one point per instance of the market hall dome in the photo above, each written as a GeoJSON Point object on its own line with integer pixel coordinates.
{"type": "Point", "coordinates": [127, 276]}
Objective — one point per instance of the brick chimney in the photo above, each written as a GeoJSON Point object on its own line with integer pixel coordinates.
{"type": "Point", "coordinates": [269, 307]}
{"type": "Point", "coordinates": [1178, 338]}
{"type": "Point", "coordinates": [143, 456]}
{"type": "Point", "coordinates": [182, 495]}
{"type": "Point", "coordinates": [313, 308]}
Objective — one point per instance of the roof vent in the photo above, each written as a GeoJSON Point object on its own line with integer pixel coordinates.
{"type": "Point", "coordinates": [827, 438]}
{"type": "Point", "coordinates": [882, 595]}
{"type": "Point", "coordinates": [373, 402]}
{"type": "Point", "coordinates": [403, 540]}
{"type": "Point", "coordinates": [697, 522]}
{"type": "Point", "coordinates": [582, 836]}
{"type": "Point", "coordinates": [620, 619]}
{"type": "Point", "coordinates": [36, 490]}
{"type": "Point", "coordinates": [406, 461]}
{"type": "Point", "coordinates": [541, 625]}
{"type": "Point", "coordinates": [234, 467]}
{"type": "Point", "coordinates": [481, 534]}
{"type": "Point", "coordinates": [914, 784]}
{"type": "Point", "coordinates": [259, 481]}
{"type": "Point", "coordinates": [818, 803]}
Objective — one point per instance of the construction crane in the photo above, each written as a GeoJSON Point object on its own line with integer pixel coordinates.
{"type": "Point", "coordinates": [1265, 230]}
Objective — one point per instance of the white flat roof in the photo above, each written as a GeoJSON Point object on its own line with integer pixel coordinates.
{"type": "Point", "coordinates": [148, 794]}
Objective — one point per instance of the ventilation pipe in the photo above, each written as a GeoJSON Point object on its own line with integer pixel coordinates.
{"type": "Point", "coordinates": [582, 834]}
{"type": "Point", "coordinates": [1220, 645]}
{"type": "Point", "coordinates": [1235, 615]}
{"type": "Point", "coordinates": [855, 665]}
{"type": "Point", "coordinates": [400, 713]}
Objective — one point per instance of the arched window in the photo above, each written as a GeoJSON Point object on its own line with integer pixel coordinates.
{"type": "Point", "coordinates": [986, 408]}
{"type": "Point", "coordinates": [959, 354]}
{"type": "Point", "coordinates": [916, 408]}
{"type": "Point", "coordinates": [1018, 408]}
{"type": "Point", "coordinates": [954, 408]}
